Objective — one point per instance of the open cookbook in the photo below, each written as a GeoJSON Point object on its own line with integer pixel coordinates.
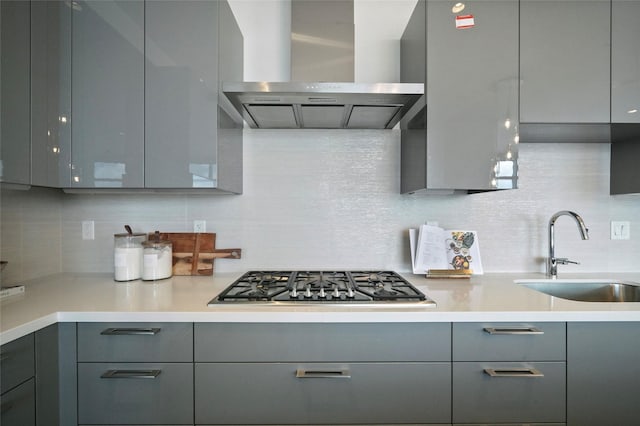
{"type": "Point", "coordinates": [437, 249]}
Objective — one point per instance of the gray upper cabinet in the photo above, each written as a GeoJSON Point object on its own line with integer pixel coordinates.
{"type": "Point", "coordinates": [185, 136]}
{"type": "Point", "coordinates": [625, 61]}
{"type": "Point", "coordinates": [625, 97]}
{"type": "Point", "coordinates": [50, 93]}
{"type": "Point", "coordinates": [466, 136]}
{"type": "Point", "coordinates": [108, 94]}
{"type": "Point", "coordinates": [146, 109]}
{"type": "Point", "coordinates": [15, 151]}
{"type": "Point", "coordinates": [564, 61]}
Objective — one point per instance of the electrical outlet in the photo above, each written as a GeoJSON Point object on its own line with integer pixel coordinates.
{"type": "Point", "coordinates": [88, 230]}
{"type": "Point", "coordinates": [620, 230]}
{"type": "Point", "coordinates": [199, 226]}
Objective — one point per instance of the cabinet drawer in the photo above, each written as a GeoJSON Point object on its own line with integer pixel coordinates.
{"type": "Point", "coordinates": [135, 342]}
{"type": "Point", "coordinates": [509, 342]}
{"type": "Point", "coordinates": [136, 393]}
{"type": "Point", "coordinates": [309, 393]}
{"type": "Point", "coordinates": [18, 406]}
{"type": "Point", "coordinates": [17, 362]}
{"type": "Point", "coordinates": [245, 342]}
{"type": "Point", "coordinates": [514, 394]}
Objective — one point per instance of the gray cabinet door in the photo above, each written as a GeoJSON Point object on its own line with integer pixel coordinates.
{"type": "Point", "coordinates": [471, 113]}
{"type": "Point", "coordinates": [108, 94]}
{"type": "Point", "coordinates": [181, 94]}
{"type": "Point", "coordinates": [238, 342]}
{"type": "Point", "coordinates": [311, 393]}
{"type": "Point", "coordinates": [135, 342]}
{"type": "Point", "coordinates": [17, 362]}
{"type": "Point", "coordinates": [15, 137]}
{"type": "Point", "coordinates": [18, 406]}
{"type": "Point", "coordinates": [501, 392]}
{"type": "Point", "coordinates": [564, 61]}
{"type": "Point", "coordinates": [509, 341]}
{"type": "Point", "coordinates": [139, 393]}
{"type": "Point", "coordinates": [625, 61]}
{"type": "Point", "coordinates": [50, 93]}
{"type": "Point", "coordinates": [47, 376]}
{"type": "Point", "coordinates": [602, 373]}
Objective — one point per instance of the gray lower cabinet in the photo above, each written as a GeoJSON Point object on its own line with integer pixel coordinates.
{"type": "Point", "coordinates": [602, 373]}
{"type": "Point", "coordinates": [17, 381]}
{"type": "Point", "coordinates": [30, 380]}
{"type": "Point", "coordinates": [318, 393]}
{"type": "Point", "coordinates": [18, 405]}
{"type": "Point", "coordinates": [135, 393]}
{"type": "Point", "coordinates": [322, 373]}
{"type": "Point", "coordinates": [135, 373]}
{"type": "Point", "coordinates": [509, 373]}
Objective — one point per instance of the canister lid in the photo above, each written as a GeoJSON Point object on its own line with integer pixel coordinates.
{"type": "Point", "coordinates": [156, 243]}
{"type": "Point", "coordinates": [135, 234]}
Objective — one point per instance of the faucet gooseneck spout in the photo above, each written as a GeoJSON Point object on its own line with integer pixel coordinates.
{"type": "Point", "coordinates": [552, 261]}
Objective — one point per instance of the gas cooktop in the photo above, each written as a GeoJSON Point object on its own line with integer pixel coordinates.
{"type": "Point", "coordinates": [344, 287]}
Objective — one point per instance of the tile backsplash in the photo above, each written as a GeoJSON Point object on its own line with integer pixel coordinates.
{"type": "Point", "coordinates": [330, 200]}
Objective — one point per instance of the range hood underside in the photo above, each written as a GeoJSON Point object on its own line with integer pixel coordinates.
{"type": "Point", "coordinates": [295, 105]}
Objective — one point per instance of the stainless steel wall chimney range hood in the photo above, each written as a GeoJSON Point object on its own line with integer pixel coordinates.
{"type": "Point", "coordinates": [322, 94]}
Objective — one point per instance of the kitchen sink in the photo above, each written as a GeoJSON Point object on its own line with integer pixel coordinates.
{"type": "Point", "coordinates": [587, 290]}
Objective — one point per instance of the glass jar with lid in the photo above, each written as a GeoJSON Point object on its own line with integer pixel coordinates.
{"type": "Point", "coordinates": [157, 259]}
{"type": "Point", "coordinates": [127, 256]}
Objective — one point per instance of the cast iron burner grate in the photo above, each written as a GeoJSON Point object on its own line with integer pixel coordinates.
{"type": "Point", "coordinates": [321, 287]}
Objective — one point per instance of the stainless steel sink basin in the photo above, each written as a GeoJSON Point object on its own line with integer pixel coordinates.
{"type": "Point", "coordinates": [587, 290]}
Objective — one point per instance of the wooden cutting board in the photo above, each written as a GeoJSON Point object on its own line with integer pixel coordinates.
{"type": "Point", "coordinates": [194, 253]}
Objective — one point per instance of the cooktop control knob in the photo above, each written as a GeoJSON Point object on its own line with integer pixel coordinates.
{"type": "Point", "coordinates": [322, 293]}
{"type": "Point", "coordinates": [336, 292]}
{"type": "Point", "coordinates": [350, 293]}
{"type": "Point", "coordinates": [294, 293]}
{"type": "Point", "coordinates": [307, 292]}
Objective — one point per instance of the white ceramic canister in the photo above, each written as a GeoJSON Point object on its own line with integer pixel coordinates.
{"type": "Point", "coordinates": [127, 256]}
{"type": "Point", "coordinates": [157, 260]}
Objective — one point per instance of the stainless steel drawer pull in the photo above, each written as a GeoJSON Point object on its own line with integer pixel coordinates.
{"type": "Point", "coordinates": [130, 331]}
{"type": "Point", "coordinates": [513, 372]}
{"type": "Point", "coordinates": [301, 373]}
{"type": "Point", "coordinates": [513, 330]}
{"type": "Point", "coordinates": [131, 374]}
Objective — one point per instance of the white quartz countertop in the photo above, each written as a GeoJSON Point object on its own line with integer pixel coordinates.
{"type": "Point", "coordinates": [97, 298]}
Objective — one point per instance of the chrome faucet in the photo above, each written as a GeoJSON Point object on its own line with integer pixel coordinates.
{"type": "Point", "coordinates": [553, 261]}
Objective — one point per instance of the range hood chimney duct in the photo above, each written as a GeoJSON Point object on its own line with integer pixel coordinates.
{"type": "Point", "coordinates": [322, 41]}
{"type": "Point", "coordinates": [322, 93]}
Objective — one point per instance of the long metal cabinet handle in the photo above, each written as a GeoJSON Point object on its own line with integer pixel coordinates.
{"type": "Point", "coordinates": [513, 372]}
{"type": "Point", "coordinates": [302, 373]}
{"type": "Point", "coordinates": [513, 330]}
{"type": "Point", "coordinates": [131, 374]}
{"type": "Point", "coordinates": [130, 331]}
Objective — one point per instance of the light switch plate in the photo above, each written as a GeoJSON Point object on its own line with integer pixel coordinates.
{"type": "Point", "coordinates": [620, 230]}
{"type": "Point", "coordinates": [199, 226]}
{"type": "Point", "coordinates": [88, 230]}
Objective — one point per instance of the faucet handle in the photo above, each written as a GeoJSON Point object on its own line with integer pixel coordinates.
{"type": "Point", "coordinates": [565, 261]}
